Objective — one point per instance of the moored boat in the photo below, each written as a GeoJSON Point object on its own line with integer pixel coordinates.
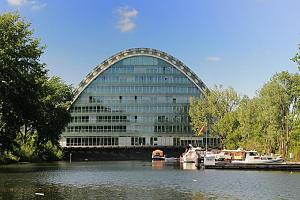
{"type": "Point", "coordinates": [241, 156]}
{"type": "Point", "coordinates": [158, 155]}
{"type": "Point", "coordinates": [252, 157]}
{"type": "Point", "coordinates": [192, 154]}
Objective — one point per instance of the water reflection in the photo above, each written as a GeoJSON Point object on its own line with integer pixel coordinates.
{"type": "Point", "coordinates": [158, 164]}
{"type": "Point", "coordinates": [161, 164]}
{"type": "Point", "coordinates": [188, 166]}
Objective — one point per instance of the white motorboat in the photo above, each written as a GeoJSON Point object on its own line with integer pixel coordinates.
{"type": "Point", "coordinates": [192, 154]}
{"type": "Point", "coordinates": [252, 157]}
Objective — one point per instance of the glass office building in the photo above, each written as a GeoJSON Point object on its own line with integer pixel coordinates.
{"type": "Point", "coordinates": [138, 97]}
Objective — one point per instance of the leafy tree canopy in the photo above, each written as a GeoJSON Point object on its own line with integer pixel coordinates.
{"type": "Point", "coordinates": [214, 111]}
{"type": "Point", "coordinates": [269, 122]}
{"type": "Point", "coordinates": [30, 101]}
{"type": "Point", "coordinates": [296, 59]}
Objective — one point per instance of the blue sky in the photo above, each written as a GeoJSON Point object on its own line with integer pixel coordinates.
{"type": "Point", "coordinates": [234, 43]}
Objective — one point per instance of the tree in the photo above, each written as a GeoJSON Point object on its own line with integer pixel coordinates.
{"type": "Point", "coordinates": [215, 110]}
{"type": "Point", "coordinates": [20, 71]}
{"type": "Point", "coordinates": [249, 134]}
{"type": "Point", "coordinates": [296, 59]}
{"type": "Point", "coordinates": [280, 101]}
{"type": "Point", "coordinates": [53, 113]}
{"type": "Point", "coordinates": [296, 132]}
{"type": "Point", "coordinates": [33, 107]}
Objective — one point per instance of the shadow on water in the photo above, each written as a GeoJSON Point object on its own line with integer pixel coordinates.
{"type": "Point", "coordinates": [96, 192]}
{"type": "Point", "coordinates": [31, 167]}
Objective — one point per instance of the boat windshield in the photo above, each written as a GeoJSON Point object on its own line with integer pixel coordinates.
{"type": "Point", "coordinates": [252, 153]}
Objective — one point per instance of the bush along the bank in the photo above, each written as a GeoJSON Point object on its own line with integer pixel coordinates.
{"type": "Point", "coordinates": [27, 150]}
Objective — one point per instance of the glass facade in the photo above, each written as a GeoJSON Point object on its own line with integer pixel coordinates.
{"type": "Point", "coordinates": [142, 98]}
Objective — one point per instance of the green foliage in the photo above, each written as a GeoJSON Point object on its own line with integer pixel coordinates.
{"type": "Point", "coordinates": [50, 152]}
{"type": "Point", "coordinates": [25, 147]}
{"type": "Point", "coordinates": [20, 71]}
{"type": "Point", "coordinates": [296, 59]}
{"type": "Point", "coordinates": [8, 157]}
{"type": "Point", "coordinates": [280, 102]}
{"type": "Point", "coordinates": [29, 150]}
{"type": "Point", "coordinates": [215, 111]}
{"type": "Point", "coordinates": [249, 134]}
{"type": "Point", "coordinates": [33, 107]}
{"type": "Point", "coordinates": [269, 123]}
{"type": "Point", "coordinates": [53, 115]}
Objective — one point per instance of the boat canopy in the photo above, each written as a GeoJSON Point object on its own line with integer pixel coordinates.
{"type": "Point", "coordinates": [158, 153]}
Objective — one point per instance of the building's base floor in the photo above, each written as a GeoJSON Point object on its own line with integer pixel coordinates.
{"type": "Point", "coordinates": [98, 154]}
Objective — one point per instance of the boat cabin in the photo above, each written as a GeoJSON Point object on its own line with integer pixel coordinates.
{"type": "Point", "coordinates": [239, 154]}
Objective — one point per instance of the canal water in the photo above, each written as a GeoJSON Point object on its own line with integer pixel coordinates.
{"type": "Point", "coordinates": [142, 180]}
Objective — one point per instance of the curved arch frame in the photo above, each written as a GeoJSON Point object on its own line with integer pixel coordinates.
{"type": "Point", "coordinates": [139, 52]}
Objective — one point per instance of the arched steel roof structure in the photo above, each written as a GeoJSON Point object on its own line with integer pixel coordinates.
{"type": "Point", "coordinates": [140, 52]}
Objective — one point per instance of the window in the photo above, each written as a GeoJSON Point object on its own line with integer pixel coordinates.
{"type": "Point", "coordinates": [139, 89]}
{"type": "Point", "coordinates": [68, 142]}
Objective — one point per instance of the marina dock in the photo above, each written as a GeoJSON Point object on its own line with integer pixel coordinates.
{"type": "Point", "coordinates": [231, 166]}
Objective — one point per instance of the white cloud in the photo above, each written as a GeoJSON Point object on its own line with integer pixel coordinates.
{"type": "Point", "coordinates": [126, 17]}
{"type": "Point", "coordinates": [16, 2]}
{"type": "Point", "coordinates": [34, 5]}
{"type": "Point", "coordinates": [214, 58]}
